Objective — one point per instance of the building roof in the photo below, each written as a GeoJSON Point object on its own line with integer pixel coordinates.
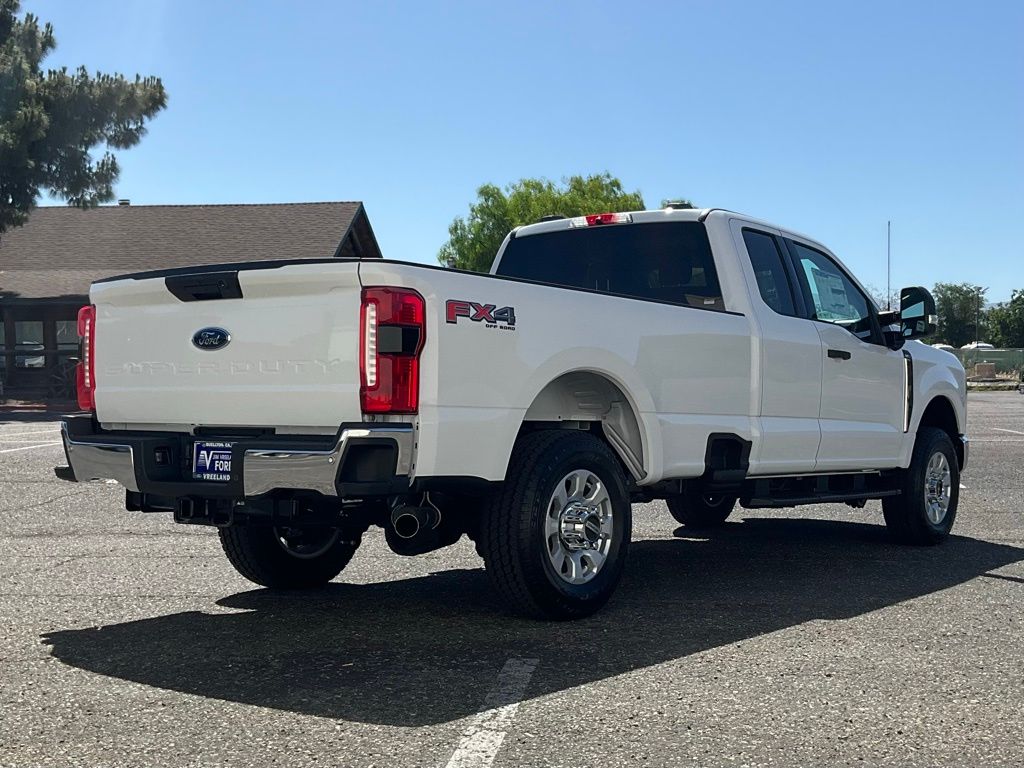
{"type": "Point", "coordinates": [61, 250]}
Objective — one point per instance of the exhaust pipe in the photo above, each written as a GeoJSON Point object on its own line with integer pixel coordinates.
{"type": "Point", "coordinates": [413, 530]}
{"type": "Point", "coordinates": [410, 522]}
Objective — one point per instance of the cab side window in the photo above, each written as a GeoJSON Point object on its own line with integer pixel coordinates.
{"type": "Point", "coordinates": [772, 281]}
{"type": "Point", "coordinates": [831, 295]}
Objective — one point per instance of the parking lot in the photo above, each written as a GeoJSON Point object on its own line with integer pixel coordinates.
{"type": "Point", "coordinates": [792, 637]}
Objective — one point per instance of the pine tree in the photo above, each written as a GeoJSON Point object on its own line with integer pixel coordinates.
{"type": "Point", "coordinates": [51, 121]}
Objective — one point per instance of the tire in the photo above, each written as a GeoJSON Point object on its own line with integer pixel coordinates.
{"type": "Point", "coordinates": [287, 558]}
{"type": "Point", "coordinates": [548, 553]}
{"type": "Point", "coordinates": [700, 510]}
{"type": "Point", "coordinates": [909, 517]}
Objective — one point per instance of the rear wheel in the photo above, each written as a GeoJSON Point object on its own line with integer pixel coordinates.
{"type": "Point", "coordinates": [700, 510]}
{"type": "Point", "coordinates": [555, 537]}
{"type": "Point", "coordinates": [925, 510]}
{"type": "Point", "coordinates": [285, 557]}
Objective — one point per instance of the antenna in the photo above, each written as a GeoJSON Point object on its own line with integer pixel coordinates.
{"type": "Point", "coordinates": [888, 265]}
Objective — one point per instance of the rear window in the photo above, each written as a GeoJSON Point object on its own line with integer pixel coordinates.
{"type": "Point", "coordinates": [666, 262]}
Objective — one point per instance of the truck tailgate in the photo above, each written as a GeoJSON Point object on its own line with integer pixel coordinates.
{"type": "Point", "coordinates": [291, 360]}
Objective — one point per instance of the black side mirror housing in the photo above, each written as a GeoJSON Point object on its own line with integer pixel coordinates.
{"type": "Point", "coordinates": [918, 316]}
{"type": "Point", "coordinates": [892, 328]}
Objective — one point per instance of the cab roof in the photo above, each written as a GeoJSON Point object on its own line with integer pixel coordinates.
{"type": "Point", "coordinates": [659, 215]}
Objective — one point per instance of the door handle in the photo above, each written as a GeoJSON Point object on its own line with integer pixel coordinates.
{"type": "Point", "coordinates": [839, 354]}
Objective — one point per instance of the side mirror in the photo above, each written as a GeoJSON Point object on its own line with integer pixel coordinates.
{"type": "Point", "coordinates": [917, 313]}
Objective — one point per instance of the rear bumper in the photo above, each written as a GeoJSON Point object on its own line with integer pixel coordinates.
{"type": "Point", "coordinates": [361, 459]}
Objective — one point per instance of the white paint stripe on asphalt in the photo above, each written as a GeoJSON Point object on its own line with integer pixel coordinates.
{"type": "Point", "coordinates": [28, 447]}
{"type": "Point", "coordinates": [26, 440]}
{"type": "Point", "coordinates": [483, 736]}
{"type": "Point", "coordinates": [1012, 431]}
{"type": "Point", "coordinates": [35, 432]}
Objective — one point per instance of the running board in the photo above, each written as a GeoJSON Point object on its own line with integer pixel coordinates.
{"type": "Point", "coordinates": [823, 498]}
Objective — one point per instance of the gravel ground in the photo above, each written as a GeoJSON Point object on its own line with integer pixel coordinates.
{"type": "Point", "coordinates": [790, 637]}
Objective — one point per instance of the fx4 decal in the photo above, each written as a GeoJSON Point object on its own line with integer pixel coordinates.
{"type": "Point", "coordinates": [488, 314]}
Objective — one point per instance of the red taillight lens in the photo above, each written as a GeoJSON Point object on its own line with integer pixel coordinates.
{"type": "Point", "coordinates": [392, 328]}
{"type": "Point", "coordinates": [85, 373]}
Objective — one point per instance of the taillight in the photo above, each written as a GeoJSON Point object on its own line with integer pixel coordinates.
{"type": "Point", "coordinates": [392, 327]}
{"type": "Point", "coordinates": [596, 219]}
{"type": "Point", "coordinates": [85, 373]}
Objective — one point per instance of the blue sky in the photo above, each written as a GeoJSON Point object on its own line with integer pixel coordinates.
{"type": "Point", "coordinates": [828, 118]}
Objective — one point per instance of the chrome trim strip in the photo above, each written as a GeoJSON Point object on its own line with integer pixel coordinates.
{"type": "Point", "coordinates": [100, 461]}
{"type": "Point", "coordinates": [264, 470]}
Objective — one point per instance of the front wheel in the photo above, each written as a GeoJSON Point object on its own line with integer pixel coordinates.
{"type": "Point", "coordinates": [555, 537]}
{"type": "Point", "coordinates": [925, 510]}
{"type": "Point", "coordinates": [287, 557]}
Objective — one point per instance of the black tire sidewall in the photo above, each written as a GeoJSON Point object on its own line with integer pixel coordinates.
{"type": "Point", "coordinates": [905, 515]}
{"type": "Point", "coordinates": [257, 555]}
{"type": "Point", "coordinates": [936, 442]}
{"type": "Point", "coordinates": [560, 596]}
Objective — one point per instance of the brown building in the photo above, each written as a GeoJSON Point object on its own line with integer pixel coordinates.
{"type": "Point", "coordinates": [47, 265]}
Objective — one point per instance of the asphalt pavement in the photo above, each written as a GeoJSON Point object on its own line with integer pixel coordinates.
{"type": "Point", "coordinates": [790, 637]}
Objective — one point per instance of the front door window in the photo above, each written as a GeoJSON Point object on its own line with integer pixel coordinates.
{"type": "Point", "coordinates": [834, 296]}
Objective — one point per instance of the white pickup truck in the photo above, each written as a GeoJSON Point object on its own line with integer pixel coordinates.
{"type": "Point", "coordinates": [697, 356]}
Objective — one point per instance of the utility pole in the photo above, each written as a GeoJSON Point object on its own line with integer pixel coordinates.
{"type": "Point", "coordinates": [977, 321]}
{"type": "Point", "coordinates": [888, 265]}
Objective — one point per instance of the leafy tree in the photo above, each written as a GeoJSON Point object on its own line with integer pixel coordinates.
{"type": "Point", "coordinates": [474, 240]}
{"type": "Point", "coordinates": [1006, 322]}
{"type": "Point", "coordinates": [961, 310]}
{"type": "Point", "coordinates": [50, 121]}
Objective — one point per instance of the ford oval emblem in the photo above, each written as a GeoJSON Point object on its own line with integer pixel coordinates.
{"type": "Point", "coordinates": [210, 338]}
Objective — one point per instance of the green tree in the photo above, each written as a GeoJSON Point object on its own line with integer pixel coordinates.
{"type": "Point", "coordinates": [474, 240]}
{"type": "Point", "coordinates": [50, 121]}
{"type": "Point", "coordinates": [961, 310]}
{"type": "Point", "coordinates": [1006, 322]}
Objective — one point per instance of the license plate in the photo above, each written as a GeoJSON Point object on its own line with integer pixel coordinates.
{"type": "Point", "coordinates": [211, 461]}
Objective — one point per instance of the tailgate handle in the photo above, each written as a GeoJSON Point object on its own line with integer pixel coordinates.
{"type": "Point", "coordinates": [204, 286]}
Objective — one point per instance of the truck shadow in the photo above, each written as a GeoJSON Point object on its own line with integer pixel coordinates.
{"type": "Point", "coordinates": [426, 650]}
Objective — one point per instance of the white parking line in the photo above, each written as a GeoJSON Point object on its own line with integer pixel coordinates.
{"type": "Point", "coordinates": [26, 440]}
{"type": "Point", "coordinates": [36, 432]}
{"type": "Point", "coordinates": [1011, 431]}
{"type": "Point", "coordinates": [483, 736]}
{"type": "Point", "coordinates": [28, 447]}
